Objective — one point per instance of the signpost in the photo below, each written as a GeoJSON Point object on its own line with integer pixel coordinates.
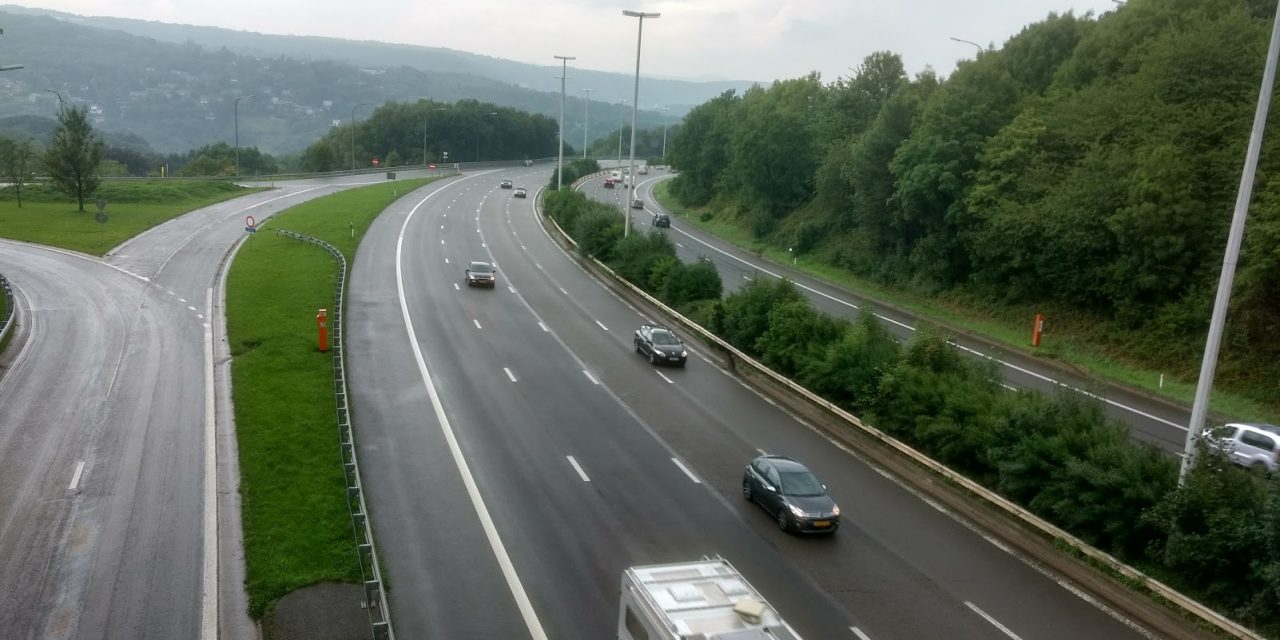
{"type": "Point", "coordinates": [250, 225]}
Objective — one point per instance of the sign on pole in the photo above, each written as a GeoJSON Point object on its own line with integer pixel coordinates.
{"type": "Point", "coordinates": [250, 225]}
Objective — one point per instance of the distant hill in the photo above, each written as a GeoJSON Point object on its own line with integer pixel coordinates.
{"type": "Point", "coordinates": [175, 85]}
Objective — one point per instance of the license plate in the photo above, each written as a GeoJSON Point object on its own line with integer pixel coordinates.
{"type": "Point", "coordinates": [821, 523]}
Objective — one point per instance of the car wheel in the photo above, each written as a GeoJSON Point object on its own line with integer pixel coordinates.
{"type": "Point", "coordinates": [783, 522]}
{"type": "Point", "coordinates": [637, 346]}
{"type": "Point", "coordinates": [1259, 467]}
{"type": "Point", "coordinates": [652, 359]}
{"type": "Point", "coordinates": [746, 492]}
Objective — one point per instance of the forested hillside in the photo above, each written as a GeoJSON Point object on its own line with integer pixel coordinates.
{"type": "Point", "coordinates": [1088, 168]}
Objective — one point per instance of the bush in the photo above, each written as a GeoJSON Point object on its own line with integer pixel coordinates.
{"type": "Point", "coordinates": [687, 282]}
{"type": "Point", "coordinates": [744, 316]}
{"type": "Point", "coordinates": [797, 334]}
{"type": "Point", "coordinates": [638, 253]}
{"type": "Point", "coordinates": [597, 233]}
{"type": "Point", "coordinates": [849, 370]}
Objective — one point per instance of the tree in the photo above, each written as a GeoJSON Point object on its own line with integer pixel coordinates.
{"type": "Point", "coordinates": [72, 160]}
{"type": "Point", "coordinates": [17, 164]}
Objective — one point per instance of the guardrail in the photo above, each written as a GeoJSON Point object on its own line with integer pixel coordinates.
{"type": "Point", "coordinates": [735, 359]}
{"type": "Point", "coordinates": [375, 593]}
{"type": "Point", "coordinates": [7, 322]}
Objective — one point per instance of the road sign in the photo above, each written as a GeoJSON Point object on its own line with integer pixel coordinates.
{"type": "Point", "coordinates": [250, 225]}
{"type": "Point", "coordinates": [101, 216]}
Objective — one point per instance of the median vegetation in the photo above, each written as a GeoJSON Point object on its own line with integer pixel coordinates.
{"type": "Point", "coordinates": [297, 528]}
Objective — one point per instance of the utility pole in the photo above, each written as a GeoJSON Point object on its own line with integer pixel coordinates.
{"type": "Point", "coordinates": [635, 106]}
{"type": "Point", "coordinates": [586, 126]}
{"type": "Point", "coordinates": [564, 68]}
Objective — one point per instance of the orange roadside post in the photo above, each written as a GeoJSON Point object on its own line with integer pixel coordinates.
{"type": "Point", "coordinates": [1037, 329]}
{"type": "Point", "coordinates": [322, 325]}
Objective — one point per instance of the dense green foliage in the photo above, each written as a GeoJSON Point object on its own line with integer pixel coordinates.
{"type": "Point", "coordinates": [573, 169]}
{"type": "Point", "coordinates": [1088, 167]}
{"type": "Point", "coordinates": [649, 144]}
{"type": "Point", "coordinates": [73, 156]}
{"type": "Point", "coordinates": [18, 163]}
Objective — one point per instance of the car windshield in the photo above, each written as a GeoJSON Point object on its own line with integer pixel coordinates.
{"type": "Point", "coordinates": [664, 338]}
{"type": "Point", "coordinates": [481, 267]}
{"type": "Point", "coordinates": [801, 483]}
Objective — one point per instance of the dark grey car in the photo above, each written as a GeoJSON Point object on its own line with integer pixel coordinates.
{"type": "Point", "coordinates": [795, 497]}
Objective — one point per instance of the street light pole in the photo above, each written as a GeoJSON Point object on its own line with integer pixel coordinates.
{"type": "Point", "coordinates": [353, 132]}
{"type": "Point", "coordinates": [586, 126]}
{"type": "Point", "coordinates": [635, 106]}
{"type": "Point", "coordinates": [236, 109]}
{"type": "Point", "coordinates": [978, 46]}
{"type": "Point", "coordinates": [666, 117]}
{"type": "Point", "coordinates": [54, 92]}
{"type": "Point", "coordinates": [564, 68]}
{"type": "Point", "coordinates": [1200, 407]}
{"type": "Point", "coordinates": [620, 103]}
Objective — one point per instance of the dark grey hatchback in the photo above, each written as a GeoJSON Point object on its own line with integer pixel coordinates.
{"type": "Point", "coordinates": [791, 494]}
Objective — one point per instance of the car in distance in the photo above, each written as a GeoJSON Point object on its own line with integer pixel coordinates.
{"type": "Point", "coordinates": [1248, 444]}
{"type": "Point", "coordinates": [505, 184]}
{"type": "Point", "coordinates": [637, 203]}
{"type": "Point", "coordinates": [608, 183]}
{"type": "Point", "coordinates": [660, 345]}
{"type": "Point", "coordinates": [520, 192]}
{"type": "Point", "coordinates": [789, 492]}
{"type": "Point", "coordinates": [481, 274]}
{"type": "Point", "coordinates": [644, 170]}
{"type": "Point", "coordinates": [661, 220]}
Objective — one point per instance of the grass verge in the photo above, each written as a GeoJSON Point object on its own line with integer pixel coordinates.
{"type": "Point", "coordinates": [296, 526]}
{"type": "Point", "coordinates": [50, 218]}
{"type": "Point", "coordinates": [1061, 346]}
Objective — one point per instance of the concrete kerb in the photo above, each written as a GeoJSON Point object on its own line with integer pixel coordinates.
{"type": "Point", "coordinates": [375, 593]}
{"type": "Point", "coordinates": [842, 425]}
{"type": "Point", "coordinates": [7, 322]}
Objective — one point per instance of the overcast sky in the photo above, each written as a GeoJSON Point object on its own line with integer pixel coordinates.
{"type": "Point", "coordinates": [726, 39]}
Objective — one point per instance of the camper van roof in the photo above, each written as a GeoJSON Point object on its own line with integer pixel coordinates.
{"type": "Point", "coordinates": [709, 599]}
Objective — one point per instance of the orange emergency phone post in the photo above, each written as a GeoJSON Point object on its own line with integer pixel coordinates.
{"type": "Point", "coordinates": [322, 325]}
{"type": "Point", "coordinates": [1037, 329]}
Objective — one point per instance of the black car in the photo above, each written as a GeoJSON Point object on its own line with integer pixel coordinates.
{"type": "Point", "coordinates": [660, 345]}
{"type": "Point", "coordinates": [661, 220]}
{"type": "Point", "coordinates": [791, 494]}
{"type": "Point", "coordinates": [505, 184]}
{"type": "Point", "coordinates": [481, 274]}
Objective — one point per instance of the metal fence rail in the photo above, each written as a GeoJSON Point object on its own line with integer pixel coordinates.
{"type": "Point", "coordinates": [6, 323]}
{"type": "Point", "coordinates": [375, 593]}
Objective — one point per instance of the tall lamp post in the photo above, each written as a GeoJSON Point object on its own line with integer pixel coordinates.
{"type": "Point", "coordinates": [353, 132]}
{"type": "Point", "coordinates": [620, 102]}
{"type": "Point", "coordinates": [586, 126]}
{"type": "Point", "coordinates": [236, 110]}
{"type": "Point", "coordinates": [564, 68]}
{"type": "Point", "coordinates": [666, 117]}
{"type": "Point", "coordinates": [635, 105]}
{"type": "Point", "coordinates": [54, 92]}
{"type": "Point", "coordinates": [978, 46]}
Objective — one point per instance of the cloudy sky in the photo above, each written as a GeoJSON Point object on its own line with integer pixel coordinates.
{"type": "Point", "coordinates": [725, 39]}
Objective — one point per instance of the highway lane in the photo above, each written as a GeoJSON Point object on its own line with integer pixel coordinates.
{"type": "Point", "coordinates": [106, 527]}
{"type": "Point", "coordinates": [541, 369]}
{"type": "Point", "coordinates": [1158, 422]}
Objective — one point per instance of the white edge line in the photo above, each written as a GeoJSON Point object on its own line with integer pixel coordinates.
{"type": "Point", "coordinates": [510, 375]}
{"type": "Point", "coordinates": [686, 471]}
{"type": "Point", "coordinates": [544, 326]}
{"type": "Point", "coordinates": [577, 468]}
{"type": "Point", "coordinates": [75, 477]}
{"type": "Point", "coordinates": [209, 599]}
{"type": "Point", "coordinates": [486, 520]}
{"type": "Point", "coordinates": [858, 632]}
{"type": "Point", "coordinates": [993, 621]}
{"type": "Point", "coordinates": [602, 325]}
{"type": "Point", "coordinates": [590, 377]}
{"type": "Point", "coordinates": [664, 376]}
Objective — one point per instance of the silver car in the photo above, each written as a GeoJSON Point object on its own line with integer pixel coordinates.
{"type": "Point", "coordinates": [1248, 444]}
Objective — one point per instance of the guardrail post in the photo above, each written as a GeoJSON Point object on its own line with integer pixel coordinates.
{"type": "Point", "coordinates": [381, 631]}
{"type": "Point", "coordinates": [371, 588]}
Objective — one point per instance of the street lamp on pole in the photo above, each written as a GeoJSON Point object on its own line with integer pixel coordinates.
{"type": "Point", "coordinates": [564, 68]}
{"type": "Point", "coordinates": [236, 110]}
{"type": "Point", "coordinates": [635, 105]}
{"type": "Point", "coordinates": [666, 117]}
{"type": "Point", "coordinates": [586, 126]}
{"type": "Point", "coordinates": [353, 132]}
{"type": "Point", "coordinates": [54, 92]}
{"type": "Point", "coordinates": [978, 46]}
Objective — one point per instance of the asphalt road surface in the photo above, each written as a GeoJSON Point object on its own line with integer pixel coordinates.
{"type": "Point", "coordinates": [518, 455]}
{"type": "Point", "coordinates": [1158, 422]}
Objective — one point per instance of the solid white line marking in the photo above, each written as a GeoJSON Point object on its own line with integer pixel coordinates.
{"type": "Point", "coordinates": [577, 468]}
{"type": "Point", "coordinates": [538, 266]}
{"type": "Point", "coordinates": [993, 621]}
{"type": "Point", "coordinates": [602, 325]}
{"type": "Point", "coordinates": [686, 471]}
{"type": "Point", "coordinates": [858, 632]}
{"type": "Point", "coordinates": [563, 291]}
{"type": "Point", "coordinates": [511, 289]}
{"type": "Point", "coordinates": [590, 377]}
{"type": "Point", "coordinates": [477, 323]}
{"type": "Point", "coordinates": [510, 375]}
{"type": "Point", "coordinates": [473, 491]}
{"type": "Point", "coordinates": [209, 583]}
{"type": "Point", "coordinates": [75, 477]}
{"type": "Point", "coordinates": [664, 376]}
{"type": "Point", "coordinates": [456, 287]}
{"type": "Point", "coordinates": [544, 327]}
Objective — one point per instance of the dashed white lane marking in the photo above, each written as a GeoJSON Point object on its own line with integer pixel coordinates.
{"type": "Point", "coordinates": [602, 325]}
{"type": "Point", "coordinates": [858, 632]}
{"type": "Point", "coordinates": [664, 376]}
{"type": "Point", "coordinates": [200, 315]}
{"type": "Point", "coordinates": [170, 291]}
{"type": "Point", "coordinates": [510, 375]}
{"type": "Point", "coordinates": [511, 289]}
{"type": "Point", "coordinates": [441, 240]}
{"type": "Point", "coordinates": [577, 468]}
{"type": "Point", "coordinates": [686, 471]}
{"type": "Point", "coordinates": [190, 308]}
{"type": "Point", "coordinates": [75, 477]}
{"type": "Point", "coordinates": [182, 300]}
{"type": "Point", "coordinates": [590, 377]}
{"type": "Point", "coordinates": [544, 326]}
{"type": "Point", "coordinates": [456, 287]}
{"type": "Point", "coordinates": [993, 621]}
{"type": "Point", "coordinates": [477, 323]}
{"type": "Point", "coordinates": [442, 227]}
{"type": "Point", "coordinates": [446, 261]}
{"type": "Point", "coordinates": [679, 245]}
{"type": "Point", "coordinates": [563, 291]}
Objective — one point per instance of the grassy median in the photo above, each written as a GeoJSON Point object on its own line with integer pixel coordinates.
{"type": "Point", "coordinates": [50, 218]}
{"type": "Point", "coordinates": [1068, 341]}
{"type": "Point", "coordinates": [297, 528]}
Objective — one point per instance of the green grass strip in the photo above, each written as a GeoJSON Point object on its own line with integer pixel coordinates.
{"type": "Point", "coordinates": [296, 525]}
{"type": "Point", "coordinates": [1062, 345]}
{"type": "Point", "coordinates": [50, 218]}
